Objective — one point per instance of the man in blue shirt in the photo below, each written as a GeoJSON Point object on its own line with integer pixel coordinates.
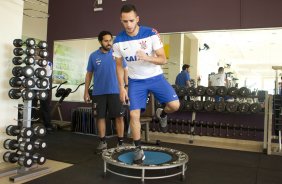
{"type": "Point", "coordinates": [105, 91]}
{"type": "Point", "coordinates": [183, 78]}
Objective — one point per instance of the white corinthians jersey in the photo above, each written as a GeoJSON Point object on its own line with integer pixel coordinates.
{"type": "Point", "coordinates": [126, 46]}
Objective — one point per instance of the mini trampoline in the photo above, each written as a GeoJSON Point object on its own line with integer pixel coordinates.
{"type": "Point", "coordinates": [172, 162]}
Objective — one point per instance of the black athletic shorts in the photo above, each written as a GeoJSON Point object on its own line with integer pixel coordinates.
{"type": "Point", "coordinates": [108, 105]}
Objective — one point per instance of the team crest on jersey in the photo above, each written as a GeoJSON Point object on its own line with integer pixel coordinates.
{"type": "Point", "coordinates": [143, 44]}
{"type": "Point", "coordinates": [98, 61]}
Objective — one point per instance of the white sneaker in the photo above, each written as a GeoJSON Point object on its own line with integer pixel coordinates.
{"type": "Point", "coordinates": [163, 121]}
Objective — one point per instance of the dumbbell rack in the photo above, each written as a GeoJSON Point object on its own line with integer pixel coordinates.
{"type": "Point", "coordinates": [22, 172]}
{"type": "Point", "coordinates": [29, 168]}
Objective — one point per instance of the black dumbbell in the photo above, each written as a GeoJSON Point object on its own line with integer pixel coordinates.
{"type": "Point", "coordinates": [14, 130]}
{"type": "Point", "coordinates": [207, 128]}
{"type": "Point", "coordinates": [221, 91]}
{"type": "Point", "coordinates": [40, 144]}
{"type": "Point", "coordinates": [241, 130]}
{"type": "Point", "coordinates": [177, 122]}
{"type": "Point", "coordinates": [248, 130]}
{"type": "Point", "coordinates": [234, 129]}
{"type": "Point", "coordinates": [20, 51]}
{"type": "Point", "coordinates": [220, 127]}
{"type": "Point", "coordinates": [42, 44]}
{"type": "Point", "coordinates": [244, 107]}
{"type": "Point", "coordinates": [28, 60]}
{"type": "Point", "coordinates": [42, 83]}
{"type": "Point", "coordinates": [193, 124]}
{"type": "Point", "coordinates": [41, 94]}
{"type": "Point", "coordinates": [13, 144]}
{"type": "Point", "coordinates": [189, 105]}
{"type": "Point", "coordinates": [211, 91]}
{"type": "Point", "coordinates": [209, 106]}
{"type": "Point", "coordinates": [26, 71]}
{"type": "Point", "coordinates": [42, 62]}
{"type": "Point", "coordinates": [220, 106]}
{"type": "Point", "coordinates": [191, 91]}
{"type": "Point", "coordinates": [40, 72]}
{"type": "Point", "coordinates": [198, 105]}
{"type": "Point", "coordinates": [22, 160]}
{"type": "Point", "coordinates": [233, 91]}
{"type": "Point", "coordinates": [170, 123]}
{"type": "Point", "coordinates": [30, 42]}
{"type": "Point", "coordinates": [232, 106]}
{"type": "Point", "coordinates": [43, 53]}
{"type": "Point", "coordinates": [200, 90]}
{"type": "Point", "coordinates": [38, 158]}
{"type": "Point", "coordinates": [255, 108]}
{"type": "Point", "coordinates": [39, 130]}
{"type": "Point", "coordinates": [189, 122]}
{"type": "Point", "coordinates": [26, 82]}
{"type": "Point", "coordinates": [26, 94]}
{"type": "Point", "coordinates": [244, 92]}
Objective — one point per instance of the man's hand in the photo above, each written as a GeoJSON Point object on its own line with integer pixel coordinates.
{"type": "Point", "coordinates": [87, 98]}
{"type": "Point", "coordinates": [141, 55]}
{"type": "Point", "coordinates": [123, 95]}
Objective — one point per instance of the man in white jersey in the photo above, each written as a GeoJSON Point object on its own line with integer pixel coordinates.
{"type": "Point", "coordinates": [218, 79]}
{"type": "Point", "coordinates": [143, 51]}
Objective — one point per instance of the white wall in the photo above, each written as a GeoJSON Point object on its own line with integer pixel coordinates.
{"type": "Point", "coordinates": [35, 27]}
{"type": "Point", "coordinates": [11, 16]}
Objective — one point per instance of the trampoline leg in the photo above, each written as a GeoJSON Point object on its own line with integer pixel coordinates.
{"type": "Point", "coordinates": [105, 169]}
{"type": "Point", "coordinates": [143, 175]}
{"type": "Point", "coordinates": [183, 173]}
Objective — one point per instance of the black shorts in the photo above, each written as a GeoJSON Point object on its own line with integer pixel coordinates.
{"type": "Point", "coordinates": [108, 105]}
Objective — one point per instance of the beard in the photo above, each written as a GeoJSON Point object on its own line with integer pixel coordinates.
{"type": "Point", "coordinates": [107, 47]}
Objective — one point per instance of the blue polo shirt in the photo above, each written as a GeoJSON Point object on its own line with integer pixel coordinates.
{"type": "Point", "coordinates": [182, 77]}
{"type": "Point", "coordinates": [104, 67]}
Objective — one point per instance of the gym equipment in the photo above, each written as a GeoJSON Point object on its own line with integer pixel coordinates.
{"type": "Point", "coordinates": [181, 92]}
{"type": "Point", "coordinates": [207, 128]}
{"type": "Point", "coordinates": [40, 73]}
{"type": "Point", "coordinates": [39, 130]}
{"type": "Point", "coordinates": [232, 106]}
{"type": "Point", "coordinates": [227, 129]}
{"type": "Point", "coordinates": [28, 60]}
{"type": "Point", "coordinates": [40, 144]}
{"type": "Point", "coordinates": [200, 90]}
{"type": "Point", "coordinates": [233, 91]}
{"type": "Point", "coordinates": [38, 158]}
{"type": "Point", "coordinates": [220, 106]}
{"type": "Point", "coordinates": [211, 91]}
{"type": "Point", "coordinates": [26, 71]}
{"type": "Point", "coordinates": [220, 127]}
{"type": "Point", "coordinates": [191, 91]}
{"type": "Point", "coordinates": [244, 107]}
{"type": "Point", "coordinates": [62, 93]}
{"type": "Point", "coordinates": [13, 144]}
{"type": "Point", "coordinates": [244, 92]}
{"type": "Point", "coordinates": [43, 53]}
{"type": "Point", "coordinates": [221, 91]}
{"type": "Point", "coordinates": [201, 128]}
{"type": "Point", "coordinates": [42, 83]}
{"type": "Point", "coordinates": [116, 160]}
{"type": "Point", "coordinates": [30, 42]}
{"type": "Point", "coordinates": [183, 126]}
{"type": "Point", "coordinates": [22, 160]}
{"type": "Point", "coordinates": [182, 105]}
{"type": "Point", "coordinates": [209, 106]}
{"type": "Point", "coordinates": [18, 82]}
{"type": "Point", "coordinates": [255, 108]}
{"type": "Point", "coordinates": [42, 44]}
{"type": "Point", "coordinates": [41, 94]}
{"type": "Point", "coordinates": [198, 105]}
{"type": "Point", "coordinates": [214, 124]}
{"type": "Point", "coordinates": [189, 105]}
{"type": "Point", "coordinates": [26, 94]}
{"type": "Point", "coordinates": [42, 62]}
{"type": "Point", "coordinates": [14, 130]}
{"type": "Point", "coordinates": [20, 51]}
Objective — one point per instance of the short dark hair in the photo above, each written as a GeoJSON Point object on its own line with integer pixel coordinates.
{"type": "Point", "coordinates": [185, 66]}
{"type": "Point", "coordinates": [128, 8]}
{"type": "Point", "coordinates": [102, 34]}
{"type": "Point", "coordinates": [220, 69]}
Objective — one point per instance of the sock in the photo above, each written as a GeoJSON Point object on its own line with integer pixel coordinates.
{"type": "Point", "coordinates": [103, 139]}
{"type": "Point", "coordinates": [137, 143]}
{"type": "Point", "coordinates": [163, 114]}
{"type": "Point", "coordinates": [120, 140]}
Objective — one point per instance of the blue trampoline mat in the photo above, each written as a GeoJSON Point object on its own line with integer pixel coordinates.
{"type": "Point", "coordinates": [151, 157]}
